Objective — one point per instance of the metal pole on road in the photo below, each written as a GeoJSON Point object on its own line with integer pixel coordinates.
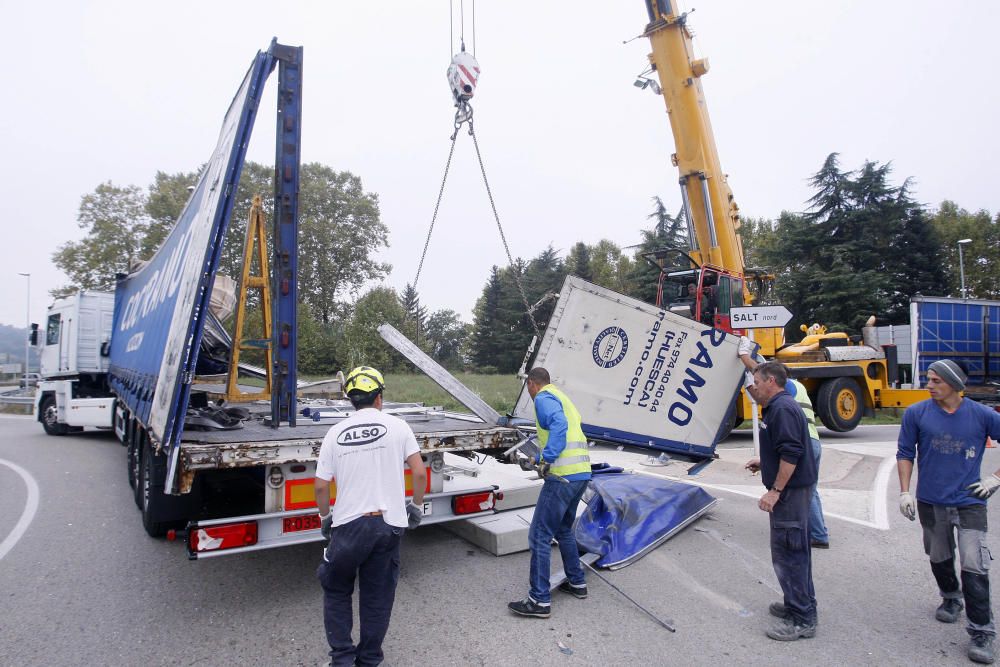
{"type": "Point", "coordinates": [653, 616]}
{"type": "Point", "coordinates": [27, 325]}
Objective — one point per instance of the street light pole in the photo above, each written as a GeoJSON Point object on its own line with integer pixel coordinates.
{"type": "Point", "coordinates": [27, 326]}
{"type": "Point", "coordinates": [961, 265]}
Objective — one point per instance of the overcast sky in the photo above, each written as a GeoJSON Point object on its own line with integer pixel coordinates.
{"type": "Point", "coordinates": [114, 91]}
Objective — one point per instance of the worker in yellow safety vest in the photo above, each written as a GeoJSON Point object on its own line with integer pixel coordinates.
{"type": "Point", "coordinates": [564, 463]}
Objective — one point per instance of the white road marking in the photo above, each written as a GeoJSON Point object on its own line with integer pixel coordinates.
{"type": "Point", "coordinates": [878, 502]}
{"type": "Point", "coordinates": [30, 507]}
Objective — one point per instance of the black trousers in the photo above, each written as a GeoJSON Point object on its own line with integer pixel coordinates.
{"type": "Point", "coordinates": [366, 549]}
{"type": "Point", "coordinates": [791, 554]}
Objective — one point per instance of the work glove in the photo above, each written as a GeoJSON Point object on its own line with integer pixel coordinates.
{"type": "Point", "coordinates": [543, 469]}
{"type": "Point", "coordinates": [746, 346]}
{"type": "Point", "coordinates": [414, 515]}
{"type": "Point", "coordinates": [527, 464]}
{"type": "Point", "coordinates": [985, 488]}
{"type": "Point", "coordinates": [326, 525]}
{"type": "Point", "coordinates": [908, 506]}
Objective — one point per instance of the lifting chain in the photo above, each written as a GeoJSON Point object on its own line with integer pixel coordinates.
{"type": "Point", "coordinates": [462, 116]}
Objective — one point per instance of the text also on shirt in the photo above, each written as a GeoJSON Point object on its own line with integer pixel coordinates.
{"type": "Point", "coordinates": [361, 434]}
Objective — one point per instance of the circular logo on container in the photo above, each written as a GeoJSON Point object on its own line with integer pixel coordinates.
{"type": "Point", "coordinates": [610, 347]}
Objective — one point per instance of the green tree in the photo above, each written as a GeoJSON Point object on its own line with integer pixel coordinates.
{"type": "Point", "coordinates": [116, 226]}
{"type": "Point", "coordinates": [862, 249]}
{"type": "Point", "coordinates": [611, 268]}
{"type": "Point", "coordinates": [980, 256]}
{"type": "Point", "coordinates": [578, 262]}
{"type": "Point", "coordinates": [446, 335]}
{"type": "Point", "coordinates": [485, 343]}
{"type": "Point", "coordinates": [166, 199]}
{"type": "Point", "coordinates": [340, 231]}
{"type": "Point", "coordinates": [416, 315]}
{"type": "Point", "coordinates": [669, 231]}
{"type": "Point", "coordinates": [363, 345]}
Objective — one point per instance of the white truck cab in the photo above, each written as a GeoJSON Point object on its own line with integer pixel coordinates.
{"type": "Point", "coordinates": [73, 390]}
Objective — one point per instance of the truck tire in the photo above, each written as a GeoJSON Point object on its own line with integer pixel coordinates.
{"type": "Point", "coordinates": [151, 490]}
{"type": "Point", "coordinates": [839, 404]}
{"type": "Point", "coordinates": [49, 416]}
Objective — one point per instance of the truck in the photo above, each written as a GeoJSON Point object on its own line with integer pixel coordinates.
{"type": "Point", "coordinates": [231, 478]}
{"type": "Point", "coordinates": [846, 377]}
{"type": "Point", "coordinates": [72, 391]}
{"type": "Point", "coordinates": [235, 478]}
{"type": "Point", "coordinates": [966, 331]}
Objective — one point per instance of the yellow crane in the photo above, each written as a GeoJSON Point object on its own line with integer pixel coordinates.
{"type": "Point", "coordinates": [846, 377]}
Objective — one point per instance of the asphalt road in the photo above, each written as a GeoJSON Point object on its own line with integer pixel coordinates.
{"type": "Point", "coordinates": [83, 584]}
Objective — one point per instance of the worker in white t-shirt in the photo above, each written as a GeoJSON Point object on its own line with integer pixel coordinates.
{"type": "Point", "coordinates": [363, 458]}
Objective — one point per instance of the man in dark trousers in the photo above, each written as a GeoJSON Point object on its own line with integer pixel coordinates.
{"type": "Point", "coordinates": [788, 471]}
{"type": "Point", "coordinates": [364, 454]}
{"type": "Point", "coordinates": [947, 433]}
{"type": "Point", "coordinates": [565, 465]}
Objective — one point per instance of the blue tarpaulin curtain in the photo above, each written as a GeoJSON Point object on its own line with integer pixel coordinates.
{"type": "Point", "coordinates": [628, 515]}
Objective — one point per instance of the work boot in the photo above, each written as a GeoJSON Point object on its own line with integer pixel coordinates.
{"type": "Point", "coordinates": [949, 610]}
{"type": "Point", "coordinates": [819, 544]}
{"type": "Point", "coordinates": [788, 630]}
{"type": "Point", "coordinates": [579, 592]}
{"type": "Point", "coordinates": [528, 607]}
{"type": "Point", "coordinates": [981, 648]}
{"type": "Point", "coordinates": [778, 610]}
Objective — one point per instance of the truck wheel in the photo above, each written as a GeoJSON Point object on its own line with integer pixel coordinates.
{"type": "Point", "coordinates": [49, 416]}
{"type": "Point", "coordinates": [150, 491]}
{"type": "Point", "coordinates": [839, 404]}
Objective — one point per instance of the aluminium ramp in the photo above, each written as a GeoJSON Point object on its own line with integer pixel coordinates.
{"type": "Point", "coordinates": [436, 372]}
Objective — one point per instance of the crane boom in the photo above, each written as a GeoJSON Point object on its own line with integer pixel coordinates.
{"type": "Point", "coordinates": [711, 210]}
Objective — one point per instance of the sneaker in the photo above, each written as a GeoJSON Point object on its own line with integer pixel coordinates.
{"type": "Point", "coordinates": [788, 631]}
{"type": "Point", "coordinates": [819, 544]}
{"type": "Point", "coordinates": [579, 592]}
{"type": "Point", "coordinates": [981, 648]}
{"type": "Point", "coordinates": [778, 610]}
{"type": "Point", "coordinates": [949, 610]}
{"type": "Point", "coordinates": [528, 607]}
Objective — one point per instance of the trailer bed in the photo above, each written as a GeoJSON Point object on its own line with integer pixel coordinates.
{"type": "Point", "coordinates": [257, 443]}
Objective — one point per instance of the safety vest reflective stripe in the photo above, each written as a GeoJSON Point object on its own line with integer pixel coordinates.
{"type": "Point", "coordinates": [802, 398]}
{"type": "Point", "coordinates": [575, 458]}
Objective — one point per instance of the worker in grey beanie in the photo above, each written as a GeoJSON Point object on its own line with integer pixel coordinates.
{"type": "Point", "coordinates": [946, 436]}
{"type": "Point", "coordinates": [950, 372]}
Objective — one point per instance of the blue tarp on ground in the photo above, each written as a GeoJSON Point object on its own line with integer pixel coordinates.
{"type": "Point", "coordinates": [629, 515]}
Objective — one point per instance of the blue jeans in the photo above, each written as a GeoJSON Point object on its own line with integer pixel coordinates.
{"type": "Point", "coordinates": [554, 517]}
{"type": "Point", "coordinates": [366, 549]}
{"type": "Point", "coordinates": [817, 527]}
{"type": "Point", "coordinates": [791, 555]}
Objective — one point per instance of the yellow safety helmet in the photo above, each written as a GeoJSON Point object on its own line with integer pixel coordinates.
{"type": "Point", "coordinates": [364, 380]}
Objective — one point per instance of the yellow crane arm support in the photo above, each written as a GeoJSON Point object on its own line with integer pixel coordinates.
{"type": "Point", "coordinates": [711, 211]}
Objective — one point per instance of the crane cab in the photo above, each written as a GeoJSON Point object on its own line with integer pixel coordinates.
{"type": "Point", "coordinates": [705, 294]}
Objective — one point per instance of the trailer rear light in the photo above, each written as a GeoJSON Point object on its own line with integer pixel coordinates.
{"type": "Point", "coordinates": [473, 503]}
{"type": "Point", "coordinates": [219, 538]}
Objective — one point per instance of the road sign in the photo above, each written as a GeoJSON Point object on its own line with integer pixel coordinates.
{"type": "Point", "coordinates": [759, 317]}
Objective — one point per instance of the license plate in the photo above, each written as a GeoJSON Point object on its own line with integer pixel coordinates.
{"type": "Point", "coordinates": [295, 524]}
{"type": "Point", "coordinates": [428, 506]}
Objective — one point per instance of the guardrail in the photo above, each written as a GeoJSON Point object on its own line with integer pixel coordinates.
{"type": "Point", "coordinates": [17, 396]}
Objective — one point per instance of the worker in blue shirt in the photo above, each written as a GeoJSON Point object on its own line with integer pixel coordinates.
{"type": "Point", "coordinates": [947, 435]}
{"type": "Point", "coordinates": [565, 465]}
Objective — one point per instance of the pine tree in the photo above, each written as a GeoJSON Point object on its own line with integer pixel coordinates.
{"type": "Point", "coordinates": [864, 248]}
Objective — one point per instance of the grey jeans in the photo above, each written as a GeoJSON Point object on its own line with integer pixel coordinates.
{"type": "Point", "coordinates": [940, 525]}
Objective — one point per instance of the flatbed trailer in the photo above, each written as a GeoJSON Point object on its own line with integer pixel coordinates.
{"type": "Point", "coordinates": [283, 462]}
